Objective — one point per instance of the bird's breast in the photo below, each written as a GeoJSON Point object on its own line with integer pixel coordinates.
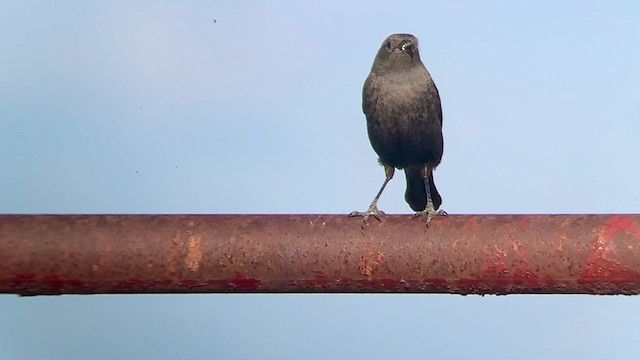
{"type": "Point", "coordinates": [403, 128]}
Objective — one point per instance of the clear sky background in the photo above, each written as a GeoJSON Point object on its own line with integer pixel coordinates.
{"type": "Point", "coordinates": [255, 107]}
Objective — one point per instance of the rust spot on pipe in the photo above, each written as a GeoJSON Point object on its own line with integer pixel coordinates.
{"type": "Point", "coordinates": [194, 254]}
{"type": "Point", "coordinates": [372, 260]}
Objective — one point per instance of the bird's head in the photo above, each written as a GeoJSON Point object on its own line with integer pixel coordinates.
{"type": "Point", "coordinates": [398, 50]}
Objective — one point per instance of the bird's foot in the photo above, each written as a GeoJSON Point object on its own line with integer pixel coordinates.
{"type": "Point", "coordinates": [430, 212]}
{"type": "Point", "coordinates": [372, 211]}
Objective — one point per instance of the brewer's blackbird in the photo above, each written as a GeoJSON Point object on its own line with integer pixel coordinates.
{"type": "Point", "coordinates": [404, 122]}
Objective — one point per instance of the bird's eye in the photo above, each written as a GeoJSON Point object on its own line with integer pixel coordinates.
{"type": "Point", "coordinates": [388, 45]}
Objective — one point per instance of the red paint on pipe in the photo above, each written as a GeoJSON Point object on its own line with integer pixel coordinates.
{"type": "Point", "coordinates": [242, 283]}
{"type": "Point", "coordinates": [617, 224]}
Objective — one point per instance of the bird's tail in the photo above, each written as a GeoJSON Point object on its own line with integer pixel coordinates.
{"type": "Point", "coordinates": [416, 194]}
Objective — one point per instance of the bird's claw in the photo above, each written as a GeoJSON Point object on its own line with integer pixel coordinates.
{"type": "Point", "coordinates": [371, 212]}
{"type": "Point", "coordinates": [367, 214]}
{"type": "Point", "coordinates": [430, 212]}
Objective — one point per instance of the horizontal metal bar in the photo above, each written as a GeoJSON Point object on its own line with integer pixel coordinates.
{"type": "Point", "coordinates": [504, 254]}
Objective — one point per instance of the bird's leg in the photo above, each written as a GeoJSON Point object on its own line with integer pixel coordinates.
{"type": "Point", "coordinates": [373, 208]}
{"type": "Point", "coordinates": [429, 211]}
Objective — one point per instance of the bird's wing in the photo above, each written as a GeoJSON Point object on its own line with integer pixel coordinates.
{"type": "Point", "coordinates": [430, 103]}
{"type": "Point", "coordinates": [436, 98]}
{"type": "Point", "coordinates": [368, 91]}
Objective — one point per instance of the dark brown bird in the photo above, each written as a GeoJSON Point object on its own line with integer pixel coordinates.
{"type": "Point", "coordinates": [404, 122]}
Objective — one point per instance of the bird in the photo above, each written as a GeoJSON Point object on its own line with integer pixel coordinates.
{"type": "Point", "coordinates": [404, 122]}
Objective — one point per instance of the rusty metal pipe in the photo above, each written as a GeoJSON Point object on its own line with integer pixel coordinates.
{"type": "Point", "coordinates": [506, 254]}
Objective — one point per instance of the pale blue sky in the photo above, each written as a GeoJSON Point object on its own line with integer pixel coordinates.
{"type": "Point", "coordinates": [154, 107]}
